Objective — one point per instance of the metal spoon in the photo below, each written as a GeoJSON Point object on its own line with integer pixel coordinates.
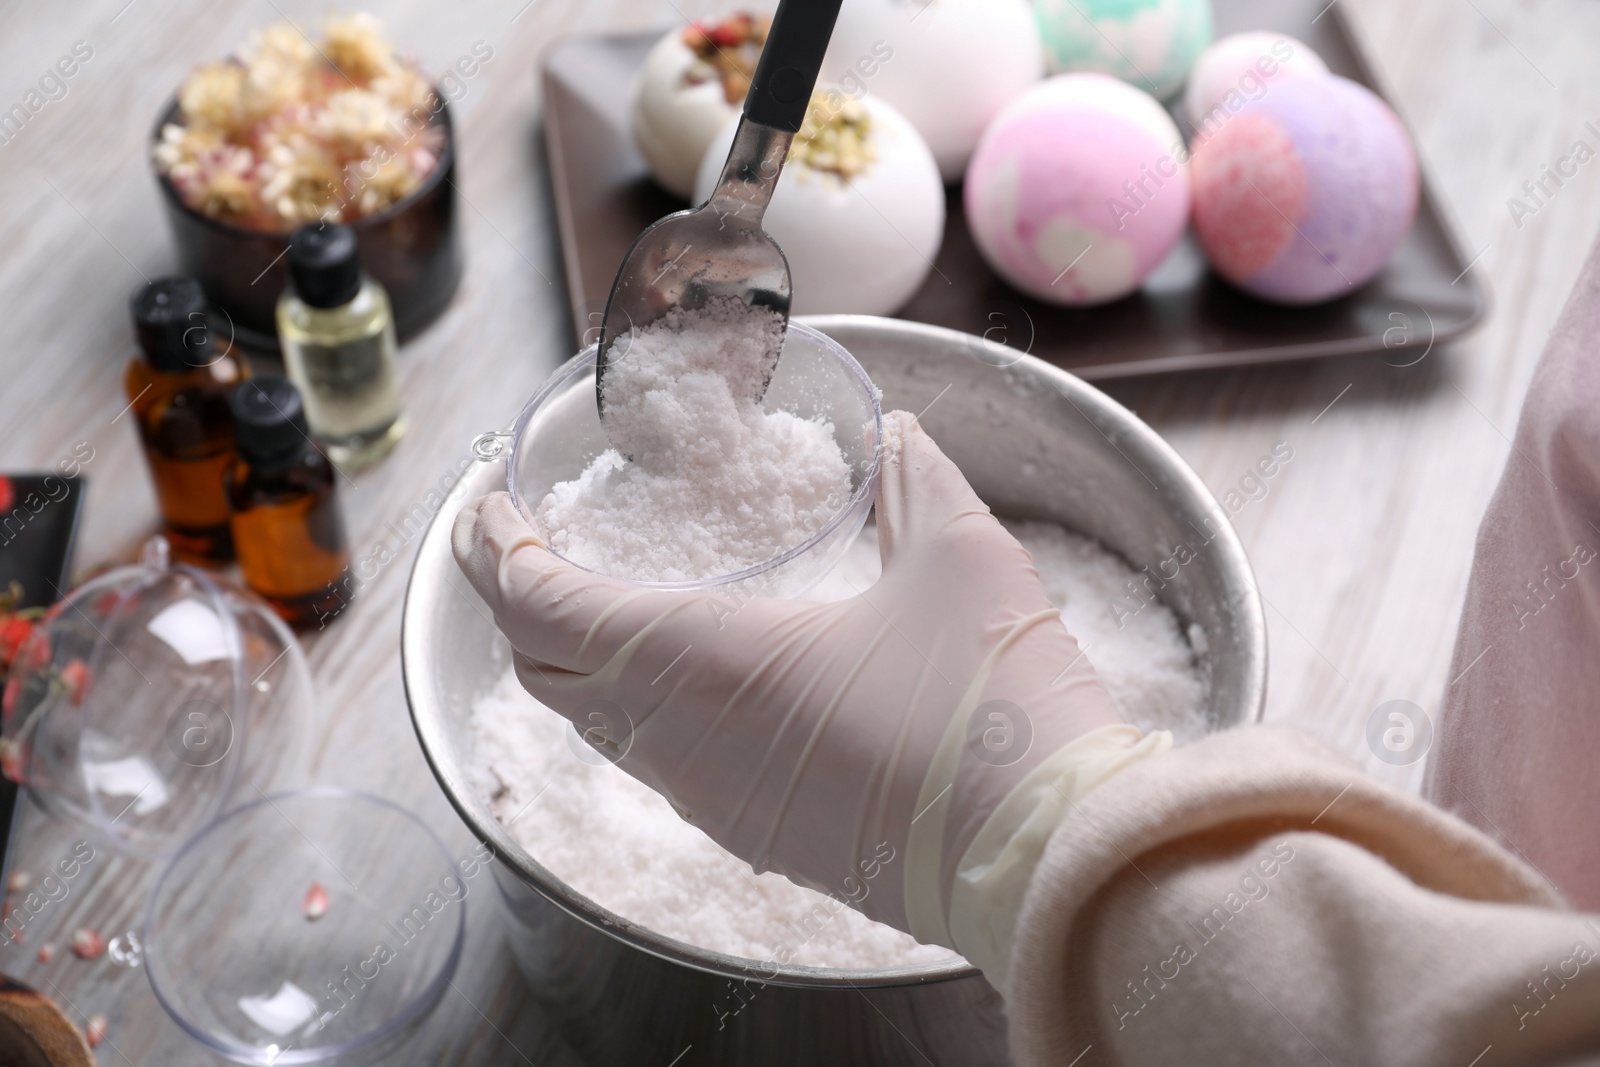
{"type": "Point", "coordinates": [719, 248]}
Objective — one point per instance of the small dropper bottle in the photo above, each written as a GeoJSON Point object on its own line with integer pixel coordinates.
{"type": "Point", "coordinates": [337, 334]}
{"type": "Point", "coordinates": [178, 385]}
{"type": "Point", "coordinates": [287, 528]}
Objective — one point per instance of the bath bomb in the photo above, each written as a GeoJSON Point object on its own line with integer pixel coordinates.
{"type": "Point", "coordinates": [1147, 43]}
{"type": "Point", "coordinates": [1078, 189]}
{"type": "Point", "coordinates": [1306, 192]}
{"type": "Point", "coordinates": [1240, 68]}
{"type": "Point", "coordinates": [859, 212]}
{"type": "Point", "coordinates": [692, 82]}
{"type": "Point", "coordinates": [948, 66]}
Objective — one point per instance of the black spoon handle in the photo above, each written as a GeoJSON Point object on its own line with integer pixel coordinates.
{"type": "Point", "coordinates": [787, 71]}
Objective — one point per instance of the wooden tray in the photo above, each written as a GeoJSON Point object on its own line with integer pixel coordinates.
{"type": "Point", "coordinates": [1184, 317]}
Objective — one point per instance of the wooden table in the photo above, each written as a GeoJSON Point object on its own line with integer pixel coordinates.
{"type": "Point", "coordinates": [1362, 544]}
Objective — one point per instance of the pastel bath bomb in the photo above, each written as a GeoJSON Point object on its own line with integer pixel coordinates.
{"type": "Point", "coordinates": [1305, 194]}
{"type": "Point", "coordinates": [948, 66]}
{"type": "Point", "coordinates": [1150, 44]}
{"type": "Point", "coordinates": [1240, 68]}
{"type": "Point", "coordinates": [1078, 190]}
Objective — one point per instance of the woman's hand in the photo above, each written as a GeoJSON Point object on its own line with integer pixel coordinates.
{"type": "Point", "coordinates": [865, 739]}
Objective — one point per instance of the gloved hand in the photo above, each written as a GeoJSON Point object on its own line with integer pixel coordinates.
{"type": "Point", "coordinates": [851, 746]}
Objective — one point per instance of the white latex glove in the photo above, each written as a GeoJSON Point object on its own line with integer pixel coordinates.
{"type": "Point", "coordinates": [835, 743]}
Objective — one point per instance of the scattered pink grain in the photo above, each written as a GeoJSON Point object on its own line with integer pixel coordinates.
{"type": "Point", "coordinates": [87, 944]}
{"type": "Point", "coordinates": [315, 906]}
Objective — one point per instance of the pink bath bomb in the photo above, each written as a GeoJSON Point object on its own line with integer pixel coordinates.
{"type": "Point", "coordinates": [1305, 193]}
{"type": "Point", "coordinates": [1078, 189]}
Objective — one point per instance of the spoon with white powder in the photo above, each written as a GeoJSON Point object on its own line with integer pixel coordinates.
{"type": "Point", "coordinates": [719, 251]}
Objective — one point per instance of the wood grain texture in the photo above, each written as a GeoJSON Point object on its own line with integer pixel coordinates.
{"type": "Point", "coordinates": [1362, 544]}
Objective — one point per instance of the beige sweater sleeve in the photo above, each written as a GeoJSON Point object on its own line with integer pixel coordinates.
{"type": "Point", "coordinates": [1253, 899]}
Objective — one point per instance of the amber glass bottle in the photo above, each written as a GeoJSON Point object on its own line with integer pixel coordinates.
{"type": "Point", "coordinates": [178, 385]}
{"type": "Point", "coordinates": [287, 529]}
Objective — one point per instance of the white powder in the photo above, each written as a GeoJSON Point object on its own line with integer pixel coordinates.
{"type": "Point", "coordinates": [1146, 664]}
{"type": "Point", "coordinates": [715, 484]}
{"type": "Point", "coordinates": [620, 844]}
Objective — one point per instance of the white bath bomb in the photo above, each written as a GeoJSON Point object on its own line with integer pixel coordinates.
{"type": "Point", "coordinates": [860, 244]}
{"type": "Point", "coordinates": [948, 66]}
{"type": "Point", "coordinates": [1240, 68]}
{"type": "Point", "coordinates": [683, 95]}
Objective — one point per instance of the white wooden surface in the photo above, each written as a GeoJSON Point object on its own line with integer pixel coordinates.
{"type": "Point", "coordinates": [1361, 546]}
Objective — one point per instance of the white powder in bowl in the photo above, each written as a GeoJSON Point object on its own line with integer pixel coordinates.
{"type": "Point", "coordinates": [621, 844]}
{"type": "Point", "coordinates": [714, 483]}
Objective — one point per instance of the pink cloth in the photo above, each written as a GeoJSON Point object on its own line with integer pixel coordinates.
{"type": "Point", "coordinates": [1519, 753]}
{"type": "Point", "coordinates": [1254, 899]}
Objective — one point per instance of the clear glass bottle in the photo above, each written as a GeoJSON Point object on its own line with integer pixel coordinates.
{"type": "Point", "coordinates": [178, 385]}
{"type": "Point", "coordinates": [287, 527]}
{"type": "Point", "coordinates": [337, 335]}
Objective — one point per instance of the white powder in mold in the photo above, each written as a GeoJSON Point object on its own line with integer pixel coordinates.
{"type": "Point", "coordinates": [621, 844]}
{"type": "Point", "coordinates": [715, 484]}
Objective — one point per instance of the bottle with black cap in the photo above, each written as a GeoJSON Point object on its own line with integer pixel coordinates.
{"type": "Point", "coordinates": [337, 334]}
{"type": "Point", "coordinates": [287, 528]}
{"type": "Point", "coordinates": [178, 385]}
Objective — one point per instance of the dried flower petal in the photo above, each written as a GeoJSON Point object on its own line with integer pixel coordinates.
{"type": "Point", "coordinates": [94, 1031]}
{"type": "Point", "coordinates": [87, 944]}
{"type": "Point", "coordinates": [356, 45]}
{"type": "Point", "coordinates": [391, 181]}
{"type": "Point", "coordinates": [47, 952]}
{"type": "Point", "coordinates": [356, 120]}
{"type": "Point", "coordinates": [730, 49]}
{"type": "Point", "coordinates": [315, 905]}
{"type": "Point", "coordinates": [213, 95]}
{"type": "Point", "coordinates": [266, 138]}
{"type": "Point", "coordinates": [835, 138]}
{"type": "Point", "coordinates": [18, 882]}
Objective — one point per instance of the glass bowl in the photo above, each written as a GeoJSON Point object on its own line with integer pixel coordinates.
{"type": "Point", "coordinates": [238, 957]}
{"type": "Point", "coordinates": [559, 433]}
{"type": "Point", "coordinates": [147, 697]}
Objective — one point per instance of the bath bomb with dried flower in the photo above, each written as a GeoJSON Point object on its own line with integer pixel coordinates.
{"type": "Point", "coordinates": [859, 212]}
{"type": "Point", "coordinates": [692, 82]}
